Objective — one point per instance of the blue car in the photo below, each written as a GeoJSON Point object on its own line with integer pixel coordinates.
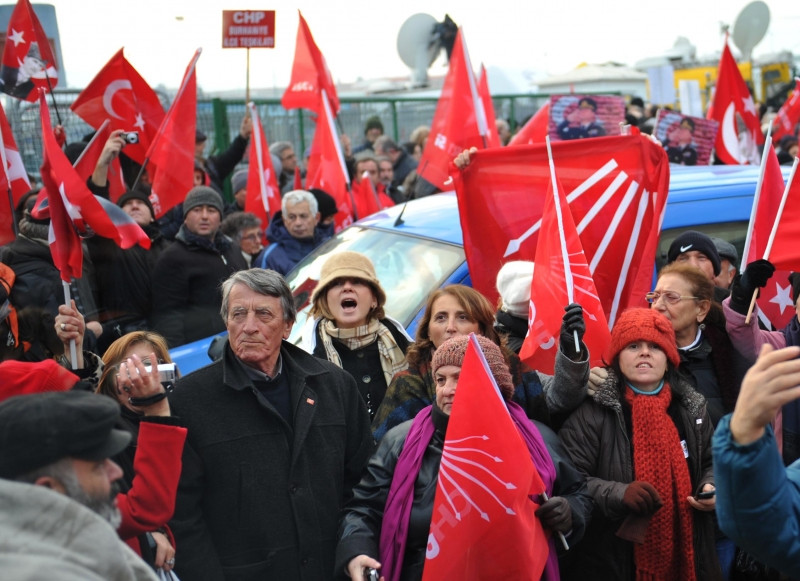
{"type": "Point", "coordinates": [417, 247]}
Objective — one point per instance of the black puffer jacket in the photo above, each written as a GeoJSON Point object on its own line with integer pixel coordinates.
{"type": "Point", "coordinates": [597, 437]}
{"type": "Point", "coordinates": [186, 286]}
{"type": "Point", "coordinates": [360, 530]}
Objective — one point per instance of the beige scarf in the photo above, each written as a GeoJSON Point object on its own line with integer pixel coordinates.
{"type": "Point", "coordinates": [393, 359]}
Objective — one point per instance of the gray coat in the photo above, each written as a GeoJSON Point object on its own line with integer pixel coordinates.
{"type": "Point", "coordinates": [259, 499]}
{"type": "Point", "coordinates": [597, 438]}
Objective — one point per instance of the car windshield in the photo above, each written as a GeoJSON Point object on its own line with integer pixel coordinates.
{"type": "Point", "coordinates": [409, 269]}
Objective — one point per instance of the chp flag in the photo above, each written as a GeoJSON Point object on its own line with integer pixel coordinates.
{"type": "Point", "coordinates": [616, 188]}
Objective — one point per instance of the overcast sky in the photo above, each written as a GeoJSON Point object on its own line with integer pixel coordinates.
{"type": "Point", "coordinates": [358, 37]}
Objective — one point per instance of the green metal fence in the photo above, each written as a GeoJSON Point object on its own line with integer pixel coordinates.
{"type": "Point", "coordinates": [220, 119]}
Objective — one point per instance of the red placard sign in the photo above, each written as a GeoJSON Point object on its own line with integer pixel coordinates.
{"type": "Point", "coordinates": [248, 29]}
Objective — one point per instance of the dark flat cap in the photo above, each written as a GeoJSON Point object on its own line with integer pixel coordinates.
{"type": "Point", "coordinates": [39, 429]}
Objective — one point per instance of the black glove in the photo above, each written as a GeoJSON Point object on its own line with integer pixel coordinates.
{"type": "Point", "coordinates": [640, 497]}
{"type": "Point", "coordinates": [556, 514]}
{"type": "Point", "coordinates": [755, 276]}
{"type": "Point", "coordinates": [572, 321]}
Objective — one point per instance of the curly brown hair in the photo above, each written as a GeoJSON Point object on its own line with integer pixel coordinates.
{"type": "Point", "coordinates": [475, 305]}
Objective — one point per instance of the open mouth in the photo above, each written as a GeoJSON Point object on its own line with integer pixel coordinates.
{"type": "Point", "coordinates": [349, 305]}
{"type": "Point", "coordinates": [644, 366]}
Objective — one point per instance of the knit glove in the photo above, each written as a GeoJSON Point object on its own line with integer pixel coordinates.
{"type": "Point", "coordinates": [572, 321]}
{"type": "Point", "coordinates": [755, 276]}
{"type": "Point", "coordinates": [640, 497]}
{"type": "Point", "coordinates": [556, 514]}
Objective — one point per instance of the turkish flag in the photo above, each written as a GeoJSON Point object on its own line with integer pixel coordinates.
{"type": "Point", "coordinates": [172, 149]}
{"type": "Point", "coordinates": [89, 213]}
{"type": "Point", "coordinates": [775, 304]}
{"type": "Point", "coordinates": [535, 130]}
{"type": "Point", "coordinates": [733, 102]}
{"type": "Point", "coordinates": [492, 138]}
{"type": "Point", "coordinates": [119, 93]}
{"type": "Point", "coordinates": [459, 121]}
{"type": "Point", "coordinates": [326, 167]}
{"type": "Point", "coordinates": [766, 202]}
{"type": "Point", "coordinates": [788, 115]}
{"type": "Point", "coordinates": [310, 75]}
{"type": "Point", "coordinates": [616, 188]}
{"type": "Point", "coordinates": [28, 61]}
{"type": "Point", "coordinates": [561, 277]}
{"type": "Point", "coordinates": [13, 179]}
{"type": "Point", "coordinates": [263, 194]}
{"type": "Point", "coordinates": [72, 208]}
{"type": "Point", "coordinates": [483, 524]}
{"type": "Point", "coordinates": [87, 161]}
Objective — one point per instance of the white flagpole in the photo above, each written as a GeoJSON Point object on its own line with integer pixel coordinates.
{"type": "Point", "coordinates": [562, 239]}
{"type": "Point", "coordinates": [73, 353]}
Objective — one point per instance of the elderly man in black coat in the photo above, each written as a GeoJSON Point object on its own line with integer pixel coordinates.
{"type": "Point", "coordinates": [277, 440]}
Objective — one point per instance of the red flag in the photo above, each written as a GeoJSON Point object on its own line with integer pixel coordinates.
{"type": "Point", "coordinates": [263, 194]}
{"type": "Point", "coordinates": [535, 130]}
{"type": "Point", "coordinates": [732, 102]}
{"type": "Point", "coordinates": [367, 199]}
{"type": "Point", "coordinates": [119, 93]}
{"type": "Point", "coordinates": [788, 115]}
{"type": "Point", "coordinates": [87, 212]}
{"type": "Point", "coordinates": [561, 276]}
{"type": "Point", "coordinates": [28, 61]}
{"type": "Point", "coordinates": [459, 121]}
{"type": "Point", "coordinates": [492, 139]}
{"type": "Point", "coordinates": [86, 162]}
{"type": "Point", "coordinates": [326, 168]}
{"type": "Point", "coordinates": [616, 188]}
{"type": "Point", "coordinates": [298, 180]}
{"type": "Point", "coordinates": [484, 525]}
{"type": "Point", "coordinates": [765, 207]}
{"type": "Point", "coordinates": [310, 75]}
{"type": "Point", "coordinates": [13, 178]}
{"type": "Point", "coordinates": [172, 150]}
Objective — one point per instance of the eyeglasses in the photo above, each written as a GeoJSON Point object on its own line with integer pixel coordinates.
{"type": "Point", "coordinates": [253, 236]}
{"type": "Point", "coordinates": [671, 297]}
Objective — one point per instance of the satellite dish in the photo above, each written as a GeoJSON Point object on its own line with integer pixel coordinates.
{"type": "Point", "coordinates": [750, 27]}
{"type": "Point", "coordinates": [417, 47]}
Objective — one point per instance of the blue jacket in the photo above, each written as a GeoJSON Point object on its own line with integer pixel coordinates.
{"type": "Point", "coordinates": [758, 499]}
{"type": "Point", "coordinates": [284, 251]}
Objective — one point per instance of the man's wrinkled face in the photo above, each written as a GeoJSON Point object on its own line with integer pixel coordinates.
{"type": "Point", "coordinates": [299, 220]}
{"type": "Point", "coordinates": [256, 327]}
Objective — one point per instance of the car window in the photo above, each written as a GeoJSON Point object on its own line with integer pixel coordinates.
{"type": "Point", "coordinates": [409, 268]}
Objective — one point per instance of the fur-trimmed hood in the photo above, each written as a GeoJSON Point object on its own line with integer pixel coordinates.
{"type": "Point", "coordinates": [608, 394]}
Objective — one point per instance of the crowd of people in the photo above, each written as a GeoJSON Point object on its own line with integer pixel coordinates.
{"type": "Point", "coordinates": [321, 461]}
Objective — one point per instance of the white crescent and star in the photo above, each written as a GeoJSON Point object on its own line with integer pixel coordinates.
{"type": "Point", "coordinates": [109, 93]}
{"type": "Point", "coordinates": [782, 297]}
{"type": "Point", "coordinates": [730, 138]}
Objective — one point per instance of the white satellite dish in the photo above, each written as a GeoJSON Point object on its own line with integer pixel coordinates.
{"type": "Point", "coordinates": [750, 27]}
{"type": "Point", "coordinates": [417, 47]}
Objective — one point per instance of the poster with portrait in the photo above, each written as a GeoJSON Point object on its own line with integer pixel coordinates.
{"type": "Point", "coordinates": [583, 116]}
{"type": "Point", "coordinates": [688, 140]}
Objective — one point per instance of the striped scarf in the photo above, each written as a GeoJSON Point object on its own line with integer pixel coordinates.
{"type": "Point", "coordinates": [393, 359]}
{"type": "Point", "coordinates": [668, 551]}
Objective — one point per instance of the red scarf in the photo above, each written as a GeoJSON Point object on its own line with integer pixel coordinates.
{"type": "Point", "coordinates": [668, 552]}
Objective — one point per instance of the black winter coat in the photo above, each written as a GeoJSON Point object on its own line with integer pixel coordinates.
{"type": "Point", "coordinates": [260, 499]}
{"type": "Point", "coordinates": [360, 530]}
{"type": "Point", "coordinates": [597, 438]}
{"type": "Point", "coordinates": [186, 287]}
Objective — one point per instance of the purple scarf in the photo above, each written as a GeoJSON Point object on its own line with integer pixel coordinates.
{"type": "Point", "coordinates": [396, 514]}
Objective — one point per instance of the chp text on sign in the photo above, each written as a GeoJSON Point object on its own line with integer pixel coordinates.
{"type": "Point", "coordinates": [248, 28]}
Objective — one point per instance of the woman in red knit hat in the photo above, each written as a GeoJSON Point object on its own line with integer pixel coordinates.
{"type": "Point", "coordinates": [644, 442]}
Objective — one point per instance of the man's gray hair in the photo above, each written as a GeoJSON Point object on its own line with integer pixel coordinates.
{"type": "Point", "coordinates": [298, 197]}
{"type": "Point", "coordinates": [238, 222]}
{"type": "Point", "coordinates": [265, 282]}
{"type": "Point", "coordinates": [279, 147]}
{"type": "Point", "coordinates": [386, 144]}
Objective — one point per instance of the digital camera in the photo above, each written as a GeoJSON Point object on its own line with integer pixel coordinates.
{"type": "Point", "coordinates": [166, 372]}
{"type": "Point", "coordinates": [130, 136]}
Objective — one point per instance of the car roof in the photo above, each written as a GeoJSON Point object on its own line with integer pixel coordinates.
{"type": "Point", "coordinates": [433, 216]}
